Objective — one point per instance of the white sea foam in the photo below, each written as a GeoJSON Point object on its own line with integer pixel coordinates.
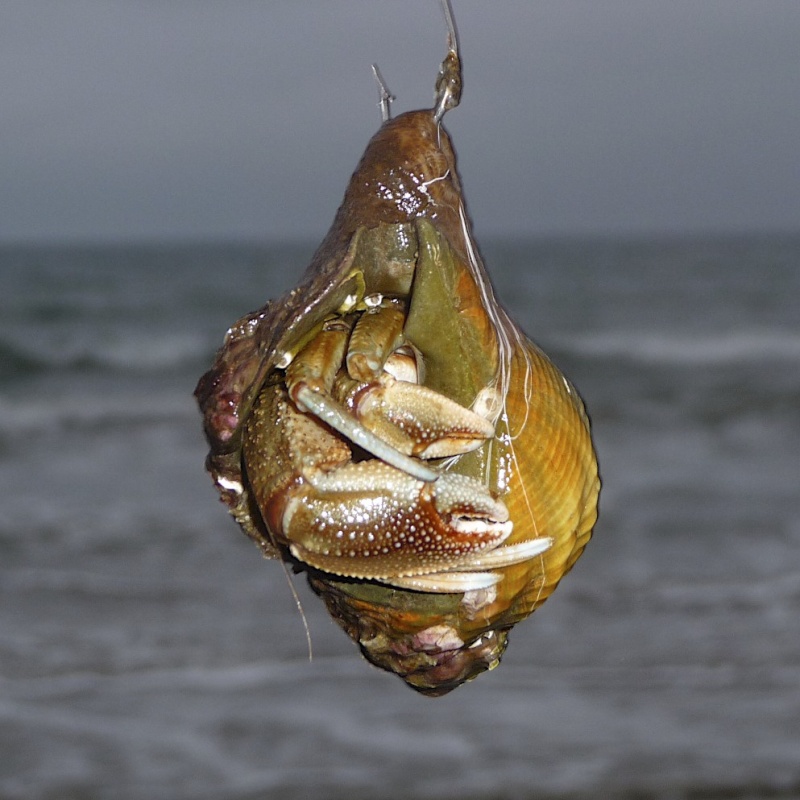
{"type": "Point", "coordinates": [135, 349]}
{"type": "Point", "coordinates": [693, 349]}
{"type": "Point", "coordinates": [25, 416]}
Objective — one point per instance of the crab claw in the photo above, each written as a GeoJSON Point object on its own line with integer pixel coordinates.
{"type": "Point", "coordinates": [370, 520]}
{"type": "Point", "coordinates": [418, 421]}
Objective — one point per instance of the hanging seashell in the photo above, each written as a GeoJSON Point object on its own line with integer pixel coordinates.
{"type": "Point", "coordinates": [387, 428]}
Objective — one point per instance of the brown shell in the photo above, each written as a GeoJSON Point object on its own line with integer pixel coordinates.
{"type": "Point", "coordinates": [550, 484]}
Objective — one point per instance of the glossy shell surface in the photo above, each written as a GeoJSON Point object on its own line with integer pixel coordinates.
{"type": "Point", "coordinates": [402, 230]}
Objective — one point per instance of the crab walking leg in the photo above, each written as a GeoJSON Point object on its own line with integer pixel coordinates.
{"type": "Point", "coordinates": [473, 577]}
{"type": "Point", "coordinates": [316, 365]}
{"type": "Point", "coordinates": [378, 332]}
{"type": "Point", "coordinates": [447, 582]}
{"type": "Point", "coordinates": [510, 554]}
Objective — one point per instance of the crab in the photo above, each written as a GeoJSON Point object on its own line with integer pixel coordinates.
{"type": "Point", "coordinates": [391, 517]}
{"type": "Point", "coordinates": [387, 427]}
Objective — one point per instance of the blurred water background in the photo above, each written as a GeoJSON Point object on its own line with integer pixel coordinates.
{"type": "Point", "coordinates": [147, 651]}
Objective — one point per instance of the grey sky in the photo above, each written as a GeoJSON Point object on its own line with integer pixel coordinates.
{"type": "Point", "coordinates": [243, 119]}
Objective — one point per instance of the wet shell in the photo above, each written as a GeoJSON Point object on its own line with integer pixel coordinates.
{"type": "Point", "coordinates": [403, 210]}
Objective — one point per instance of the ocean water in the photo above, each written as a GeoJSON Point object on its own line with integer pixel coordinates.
{"type": "Point", "coordinates": [147, 651]}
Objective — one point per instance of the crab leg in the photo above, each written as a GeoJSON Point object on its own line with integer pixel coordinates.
{"type": "Point", "coordinates": [376, 335]}
{"type": "Point", "coordinates": [461, 580]}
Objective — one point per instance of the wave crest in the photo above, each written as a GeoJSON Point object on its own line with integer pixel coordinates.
{"type": "Point", "coordinates": [685, 348]}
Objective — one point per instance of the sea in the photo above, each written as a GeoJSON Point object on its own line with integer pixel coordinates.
{"type": "Point", "coordinates": [148, 651]}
